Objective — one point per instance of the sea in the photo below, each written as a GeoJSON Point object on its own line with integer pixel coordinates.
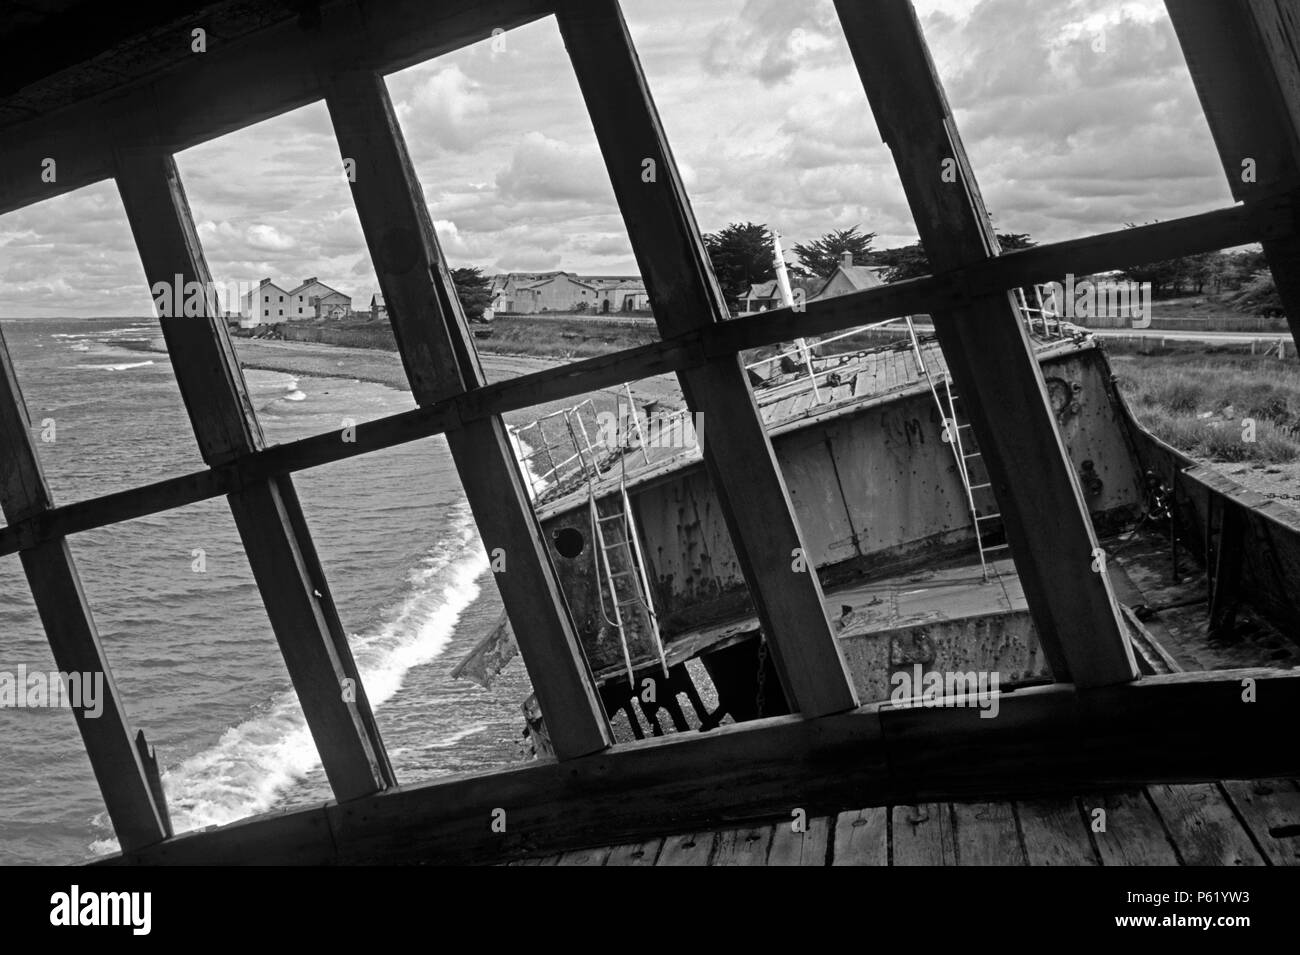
{"type": "Point", "coordinates": [182, 622]}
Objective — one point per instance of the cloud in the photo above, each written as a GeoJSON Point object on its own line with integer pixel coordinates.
{"type": "Point", "coordinates": [771, 40]}
{"type": "Point", "coordinates": [765, 114]}
{"type": "Point", "coordinates": [542, 168]}
{"type": "Point", "coordinates": [446, 107]}
{"type": "Point", "coordinates": [268, 238]}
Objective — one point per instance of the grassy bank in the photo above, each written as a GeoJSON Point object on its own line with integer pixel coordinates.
{"type": "Point", "coordinates": [1201, 404]}
{"type": "Point", "coordinates": [564, 339]}
{"type": "Point", "coordinates": [567, 339]}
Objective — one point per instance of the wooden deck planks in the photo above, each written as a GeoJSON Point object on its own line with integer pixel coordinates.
{"type": "Point", "coordinates": [1271, 809]}
{"type": "Point", "coordinates": [985, 834]}
{"type": "Point", "coordinates": [922, 835]}
{"type": "Point", "coordinates": [635, 853]}
{"type": "Point", "coordinates": [692, 848]}
{"type": "Point", "coordinates": [744, 846]}
{"type": "Point", "coordinates": [800, 848]}
{"type": "Point", "coordinates": [1203, 826]}
{"type": "Point", "coordinates": [1133, 833]}
{"type": "Point", "coordinates": [862, 837]}
{"type": "Point", "coordinates": [591, 856]}
{"type": "Point", "coordinates": [1054, 833]}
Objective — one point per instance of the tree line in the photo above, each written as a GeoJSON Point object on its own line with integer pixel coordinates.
{"type": "Point", "coordinates": [742, 256]}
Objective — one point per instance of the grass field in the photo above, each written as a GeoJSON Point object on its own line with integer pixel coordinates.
{"type": "Point", "coordinates": [1204, 405]}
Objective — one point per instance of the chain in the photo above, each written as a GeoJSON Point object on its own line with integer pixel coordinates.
{"type": "Point", "coordinates": [762, 673]}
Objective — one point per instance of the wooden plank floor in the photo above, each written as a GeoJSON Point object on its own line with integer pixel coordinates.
{"type": "Point", "coordinates": [1235, 822]}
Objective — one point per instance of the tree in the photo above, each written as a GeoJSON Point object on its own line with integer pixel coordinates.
{"type": "Point", "coordinates": [823, 255]}
{"type": "Point", "coordinates": [474, 290]}
{"type": "Point", "coordinates": [742, 256]}
{"type": "Point", "coordinates": [904, 262]}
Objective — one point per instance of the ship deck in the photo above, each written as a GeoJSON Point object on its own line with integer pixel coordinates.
{"type": "Point", "coordinates": [847, 381]}
{"type": "Point", "coordinates": [1226, 823]}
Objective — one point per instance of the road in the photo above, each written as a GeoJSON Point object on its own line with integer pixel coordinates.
{"type": "Point", "coordinates": [1219, 338]}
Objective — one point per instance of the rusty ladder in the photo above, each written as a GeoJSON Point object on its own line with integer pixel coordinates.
{"type": "Point", "coordinates": [952, 436]}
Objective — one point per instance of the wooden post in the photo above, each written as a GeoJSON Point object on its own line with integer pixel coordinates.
{"type": "Point", "coordinates": [440, 359]}
{"type": "Point", "coordinates": [1244, 57]}
{"type": "Point", "coordinates": [267, 513]}
{"type": "Point", "coordinates": [684, 295]}
{"type": "Point", "coordinates": [990, 358]}
{"type": "Point", "coordinates": [138, 818]}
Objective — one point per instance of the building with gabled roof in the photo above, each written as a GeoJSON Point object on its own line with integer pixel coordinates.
{"type": "Point", "coordinates": [314, 299]}
{"type": "Point", "coordinates": [265, 305]}
{"type": "Point", "coordinates": [848, 277]}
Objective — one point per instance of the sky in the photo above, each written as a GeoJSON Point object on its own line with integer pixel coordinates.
{"type": "Point", "coordinates": [1079, 117]}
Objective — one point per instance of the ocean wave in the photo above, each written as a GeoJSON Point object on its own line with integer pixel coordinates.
{"type": "Point", "coordinates": [452, 739]}
{"type": "Point", "coordinates": [118, 367]}
{"type": "Point", "coordinates": [253, 764]}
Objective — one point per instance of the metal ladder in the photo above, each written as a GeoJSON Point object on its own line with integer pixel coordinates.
{"type": "Point", "coordinates": [1044, 311]}
{"type": "Point", "coordinates": [952, 436]}
{"type": "Point", "coordinates": [627, 588]}
{"type": "Point", "coordinates": [626, 395]}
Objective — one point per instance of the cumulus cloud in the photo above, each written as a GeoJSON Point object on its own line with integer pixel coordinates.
{"type": "Point", "coordinates": [445, 106]}
{"type": "Point", "coordinates": [546, 169]}
{"type": "Point", "coordinates": [772, 39]}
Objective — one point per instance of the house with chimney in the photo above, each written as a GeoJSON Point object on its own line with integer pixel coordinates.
{"type": "Point", "coordinates": [270, 304]}
{"type": "Point", "coordinates": [848, 277]}
{"type": "Point", "coordinates": [314, 299]}
{"type": "Point", "coordinates": [531, 293]}
{"type": "Point", "coordinates": [265, 305]}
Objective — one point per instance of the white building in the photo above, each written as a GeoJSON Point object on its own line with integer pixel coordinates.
{"type": "Point", "coordinates": [268, 304]}
{"type": "Point", "coordinates": [530, 293]}
{"type": "Point", "coordinates": [314, 299]}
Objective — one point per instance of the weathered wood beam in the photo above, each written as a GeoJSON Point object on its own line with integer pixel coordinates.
{"type": "Point", "coordinates": [267, 514]}
{"type": "Point", "coordinates": [1205, 232]}
{"type": "Point", "coordinates": [138, 819]}
{"type": "Point", "coordinates": [685, 296]}
{"type": "Point", "coordinates": [1226, 565]}
{"type": "Point", "coordinates": [1184, 727]}
{"type": "Point", "coordinates": [1244, 57]}
{"type": "Point", "coordinates": [990, 358]}
{"type": "Point", "coordinates": [437, 350]}
{"type": "Point", "coordinates": [236, 84]}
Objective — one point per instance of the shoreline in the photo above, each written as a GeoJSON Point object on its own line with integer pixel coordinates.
{"type": "Point", "coordinates": [318, 360]}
